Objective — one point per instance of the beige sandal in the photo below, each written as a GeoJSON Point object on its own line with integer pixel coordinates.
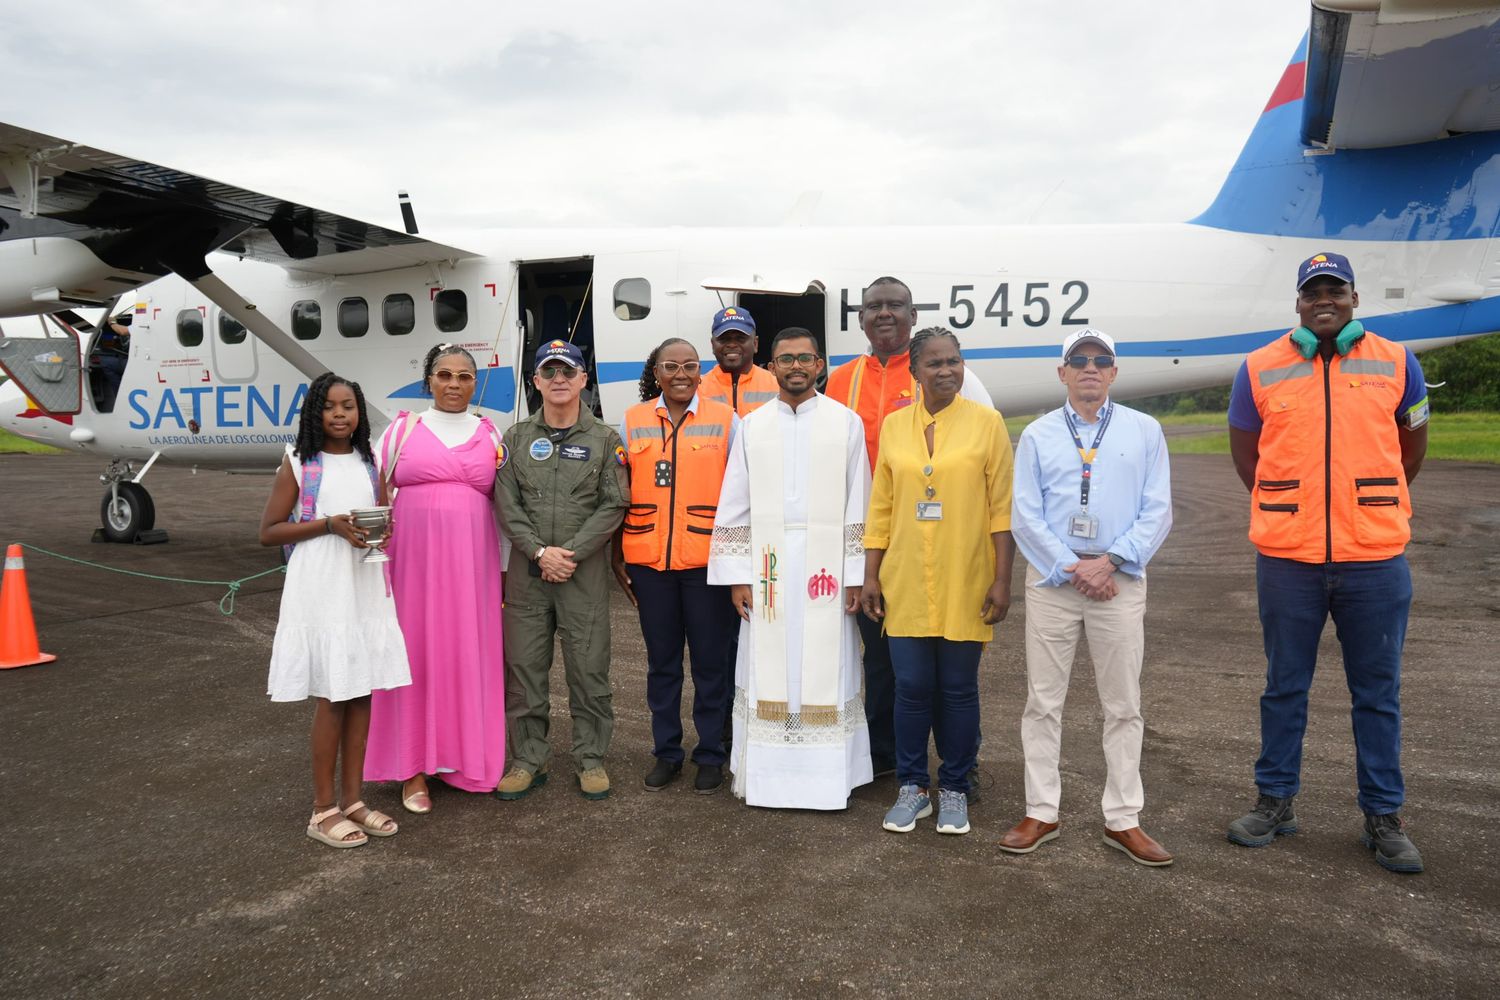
{"type": "Point", "coordinates": [341, 829]}
{"type": "Point", "coordinates": [417, 802]}
{"type": "Point", "coordinates": [376, 824]}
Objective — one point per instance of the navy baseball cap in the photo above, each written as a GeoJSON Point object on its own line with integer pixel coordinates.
{"type": "Point", "coordinates": [733, 318]}
{"type": "Point", "coordinates": [558, 350]}
{"type": "Point", "coordinates": [1334, 265]}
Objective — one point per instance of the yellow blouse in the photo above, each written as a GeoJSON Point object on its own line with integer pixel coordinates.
{"type": "Point", "coordinates": [936, 573]}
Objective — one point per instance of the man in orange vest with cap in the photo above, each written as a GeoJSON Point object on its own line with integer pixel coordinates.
{"type": "Point", "coordinates": [737, 381]}
{"type": "Point", "coordinates": [1327, 427]}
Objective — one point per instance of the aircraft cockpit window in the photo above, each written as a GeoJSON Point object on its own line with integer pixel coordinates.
{"type": "Point", "coordinates": [354, 317]}
{"type": "Point", "coordinates": [307, 319]}
{"type": "Point", "coordinates": [398, 314]}
{"type": "Point", "coordinates": [632, 298]}
{"type": "Point", "coordinates": [190, 328]}
{"type": "Point", "coordinates": [450, 310]}
{"type": "Point", "coordinates": [231, 331]}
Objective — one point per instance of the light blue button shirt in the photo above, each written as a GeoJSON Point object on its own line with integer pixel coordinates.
{"type": "Point", "coordinates": [1130, 491]}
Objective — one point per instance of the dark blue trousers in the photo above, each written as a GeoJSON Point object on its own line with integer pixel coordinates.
{"type": "Point", "coordinates": [937, 692]}
{"type": "Point", "coordinates": [880, 694]}
{"type": "Point", "coordinates": [1368, 602]}
{"type": "Point", "coordinates": [678, 605]}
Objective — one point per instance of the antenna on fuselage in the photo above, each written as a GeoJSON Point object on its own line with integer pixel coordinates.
{"type": "Point", "coordinates": [408, 217]}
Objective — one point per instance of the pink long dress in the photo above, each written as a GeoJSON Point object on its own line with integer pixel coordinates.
{"type": "Point", "coordinates": [445, 573]}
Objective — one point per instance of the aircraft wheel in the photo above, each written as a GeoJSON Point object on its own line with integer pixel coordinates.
{"type": "Point", "coordinates": [127, 515]}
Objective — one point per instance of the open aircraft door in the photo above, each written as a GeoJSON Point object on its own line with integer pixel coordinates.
{"type": "Point", "coordinates": [47, 366]}
{"type": "Point", "coordinates": [635, 302]}
{"type": "Point", "coordinates": [777, 301]}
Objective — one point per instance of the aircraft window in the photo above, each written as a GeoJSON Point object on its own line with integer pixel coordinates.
{"type": "Point", "coordinates": [307, 320]}
{"type": "Point", "coordinates": [450, 310]}
{"type": "Point", "coordinates": [231, 331]}
{"type": "Point", "coordinates": [190, 328]}
{"type": "Point", "coordinates": [398, 313]}
{"type": "Point", "coordinates": [354, 317]}
{"type": "Point", "coordinates": [632, 298]}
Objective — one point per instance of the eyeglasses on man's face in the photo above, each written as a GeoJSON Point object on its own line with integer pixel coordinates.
{"type": "Point", "coordinates": [670, 368]}
{"type": "Point", "coordinates": [804, 359]}
{"type": "Point", "coordinates": [549, 372]}
{"type": "Point", "coordinates": [445, 376]}
{"type": "Point", "coordinates": [1081, 361]}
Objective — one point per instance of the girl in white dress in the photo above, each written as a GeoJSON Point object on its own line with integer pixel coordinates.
{"type": "Point", "coordinates": [337, 638]}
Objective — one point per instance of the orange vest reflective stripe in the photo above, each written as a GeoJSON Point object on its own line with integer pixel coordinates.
{"type": "Point", "coordinates": [669, 526]}
{"type": "Point", "coordinates": [1329, 484]}
{"type": "Point", "coordinates": [755, 388]}
{"type": "Point", "coordinates": [873, 390]}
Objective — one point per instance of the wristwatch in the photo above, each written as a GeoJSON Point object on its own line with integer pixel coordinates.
{"type": "Point", "coordinates": [1118, 561]}
{"type": "Point", "coordinates": [539, 553]}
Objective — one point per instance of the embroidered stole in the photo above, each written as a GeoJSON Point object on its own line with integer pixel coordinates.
{"type": "Point", "coordinates": [822, 592]}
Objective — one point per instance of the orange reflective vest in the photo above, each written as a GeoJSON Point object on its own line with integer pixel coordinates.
{"type": "Point", "coordinates": [675, 475]}
{"type": "Point", "coordinates": [873, 390]}
{"type": "Point", "coordinates": [755, 387]}
{"type": "Point", "coordinates": [1329, 484]}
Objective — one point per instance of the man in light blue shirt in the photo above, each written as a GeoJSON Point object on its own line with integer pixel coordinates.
{"type": "Point", "coordinates": [1092, 504]}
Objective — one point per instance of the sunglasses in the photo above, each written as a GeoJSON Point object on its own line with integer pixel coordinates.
{"type": "Point", "coordinates": [1081, 361]}
{"type": "Point", "coordinates": [670, 368]}
{"type": "Point", "coordinates": [444, 375]}
{"type": "Point", "coordinates": [787, 360]}
{"type": "Point", "coordinates": [548, 373]}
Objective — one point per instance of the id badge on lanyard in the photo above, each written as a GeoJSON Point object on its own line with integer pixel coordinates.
{"type": "Point", "coordinates": [1084, 525]}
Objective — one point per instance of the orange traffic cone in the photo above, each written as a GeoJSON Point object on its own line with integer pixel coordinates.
{"type": "Point", "coordinates": [18, 645]}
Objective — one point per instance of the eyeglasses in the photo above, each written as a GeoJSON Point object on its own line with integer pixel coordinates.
{"type": "Point", "coordinates": [548, 373]}
{"type": "Point", "coordinates": [444, 375]}
{"type": "Point", "coordinates": [670, 368]}
{"type": "Point", "coordinates": [1081, 361]}
{"type": "Point", "coordinates": [788, 360]}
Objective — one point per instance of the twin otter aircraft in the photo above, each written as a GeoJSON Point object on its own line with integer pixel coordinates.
{"type": "Point", "coordinates": [1381, 141]}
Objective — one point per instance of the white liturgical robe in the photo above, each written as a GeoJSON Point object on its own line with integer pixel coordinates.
{"type": "Point", "coordinates": [792, 761]}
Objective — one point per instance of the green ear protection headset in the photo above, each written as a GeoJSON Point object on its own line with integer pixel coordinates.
{"type": "Point", "coordinates": [1306, 341]}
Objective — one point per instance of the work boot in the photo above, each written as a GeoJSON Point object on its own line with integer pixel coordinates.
{"type": "Point", "coordinates": [663, 774]}
{"type": "Point", "coordinates": [593, 783]}
{"type": "Point", "coordinates": [519, 782]}
{"type": "Point", "coordinates": [1271, 818]}
{"type": "Point", "coordinates": [1386, 836]}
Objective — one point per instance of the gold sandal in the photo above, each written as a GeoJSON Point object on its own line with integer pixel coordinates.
{"type": "Point", "coordinates": [376, 824]}
{"type": "Point", "coordinates": [341, 829]}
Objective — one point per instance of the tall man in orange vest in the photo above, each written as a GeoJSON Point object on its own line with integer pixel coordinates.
{"type": "Point", "coordinates": [1327, 426]}
{"type": "Point", "coordinates": [873, 385]}
{"type": "Point", "coordinates": [737, 381]}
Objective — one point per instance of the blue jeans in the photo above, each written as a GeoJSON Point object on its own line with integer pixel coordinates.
{"type": "Point", "coordinates": [1369, 602]}
{"type": "Point", "coordinates": [937, 691]}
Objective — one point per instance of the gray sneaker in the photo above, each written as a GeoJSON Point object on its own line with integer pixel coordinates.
{"type": "Point", "coordinates": [1386, 836]}
{"type": "Point", "coordinates": [1271, 818]}
{"type": "Point", "coordinates": [911, 805]}
{"type": "Point", "coordinates": [953, 812]}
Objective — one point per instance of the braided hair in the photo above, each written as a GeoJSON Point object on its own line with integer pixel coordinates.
{"type": "Point", "coordinates": [649, 387]}
{"type": "Point", "coordinates": [922, 338]}
{"type": "Point", "coordinates": [310, 426]}
{"type": "Point", "coordinates": [429, 363]}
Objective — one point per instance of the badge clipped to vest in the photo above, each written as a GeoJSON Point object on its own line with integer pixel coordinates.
{"type": "Point", "coordinates": [663, 469]}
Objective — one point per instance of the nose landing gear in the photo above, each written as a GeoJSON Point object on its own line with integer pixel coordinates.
{"type": "Point", "coordinates": [126, 513]}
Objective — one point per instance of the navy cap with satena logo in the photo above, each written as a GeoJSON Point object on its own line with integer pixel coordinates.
{"type": "Point", "coordinates": [558, 350]}
{"type": "Point", "coordinates": [1335, 265]}
{"type": "Point", "coordinates": [733, 318]}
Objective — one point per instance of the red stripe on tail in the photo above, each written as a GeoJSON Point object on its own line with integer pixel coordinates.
{"type": "Point", "coordinates": [1290, 88]}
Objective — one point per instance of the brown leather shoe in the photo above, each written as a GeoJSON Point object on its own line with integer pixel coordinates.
{"type": "Point", "coordinates": [1027, 835]}
{"type": "Point", "coordinates": [1141, 848]}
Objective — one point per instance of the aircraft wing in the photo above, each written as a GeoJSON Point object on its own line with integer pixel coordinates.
{"type": "Point", "coordinates": [145, 219]}
{"type": "Point", "coordinates": [1393, 72]}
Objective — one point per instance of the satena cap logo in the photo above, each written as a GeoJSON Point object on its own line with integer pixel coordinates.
{"type": "Point", "coordinates": [1332, 264]}
{"type": "Point", "coordinates": [733, 318]}
{"type": "Point", "coordinates": [558, 350]}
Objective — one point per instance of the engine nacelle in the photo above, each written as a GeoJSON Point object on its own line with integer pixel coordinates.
{"type": "Point", "coordinates": [48, 273]}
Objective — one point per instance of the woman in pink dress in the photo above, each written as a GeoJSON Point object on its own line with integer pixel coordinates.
{"type": "Point", "coordinates": [445, 574]}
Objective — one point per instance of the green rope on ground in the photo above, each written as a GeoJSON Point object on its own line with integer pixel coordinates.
{"type": "Point", "coordinates": [226, 603]}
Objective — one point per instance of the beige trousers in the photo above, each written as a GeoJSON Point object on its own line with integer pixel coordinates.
{"type": "Point", "coordinates": [1055, 616]}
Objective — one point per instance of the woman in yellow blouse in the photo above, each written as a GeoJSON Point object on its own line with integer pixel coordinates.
{"type": "Point", "coordinates": [938, 557]}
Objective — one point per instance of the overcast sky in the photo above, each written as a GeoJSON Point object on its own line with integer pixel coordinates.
{"type": "Point", "coordinates": [669, 113]}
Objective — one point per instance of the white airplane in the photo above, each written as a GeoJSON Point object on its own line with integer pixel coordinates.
{"type": "Point", "coordinates": [1381, 141]}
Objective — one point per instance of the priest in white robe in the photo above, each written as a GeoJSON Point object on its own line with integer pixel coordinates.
{"type": "Point", "coordinates": [788, 539]}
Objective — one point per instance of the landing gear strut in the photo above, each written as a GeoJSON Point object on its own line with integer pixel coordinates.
{"type": "Point", "coordinates": [126, 513]}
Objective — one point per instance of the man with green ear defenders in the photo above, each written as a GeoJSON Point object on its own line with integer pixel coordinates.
{"type": "Point", "coordinates": [1327, 426]}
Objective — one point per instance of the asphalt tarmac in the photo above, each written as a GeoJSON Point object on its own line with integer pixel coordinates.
{"type": "Point", "coordinates": [155, 802]}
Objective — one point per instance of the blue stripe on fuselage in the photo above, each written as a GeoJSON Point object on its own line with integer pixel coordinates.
{"type": "Point", "coordinates": [495, 389]}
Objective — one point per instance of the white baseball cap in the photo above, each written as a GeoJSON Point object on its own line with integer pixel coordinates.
{"type": "Point", "coordinates": [1077, 337]}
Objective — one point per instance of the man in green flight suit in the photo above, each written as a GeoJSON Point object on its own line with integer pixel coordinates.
{"type": "Point", "coordinates": [562, 491]}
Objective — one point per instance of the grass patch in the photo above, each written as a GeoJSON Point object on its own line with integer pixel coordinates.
{"type": "Point", "coordinates": [10, 445]}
